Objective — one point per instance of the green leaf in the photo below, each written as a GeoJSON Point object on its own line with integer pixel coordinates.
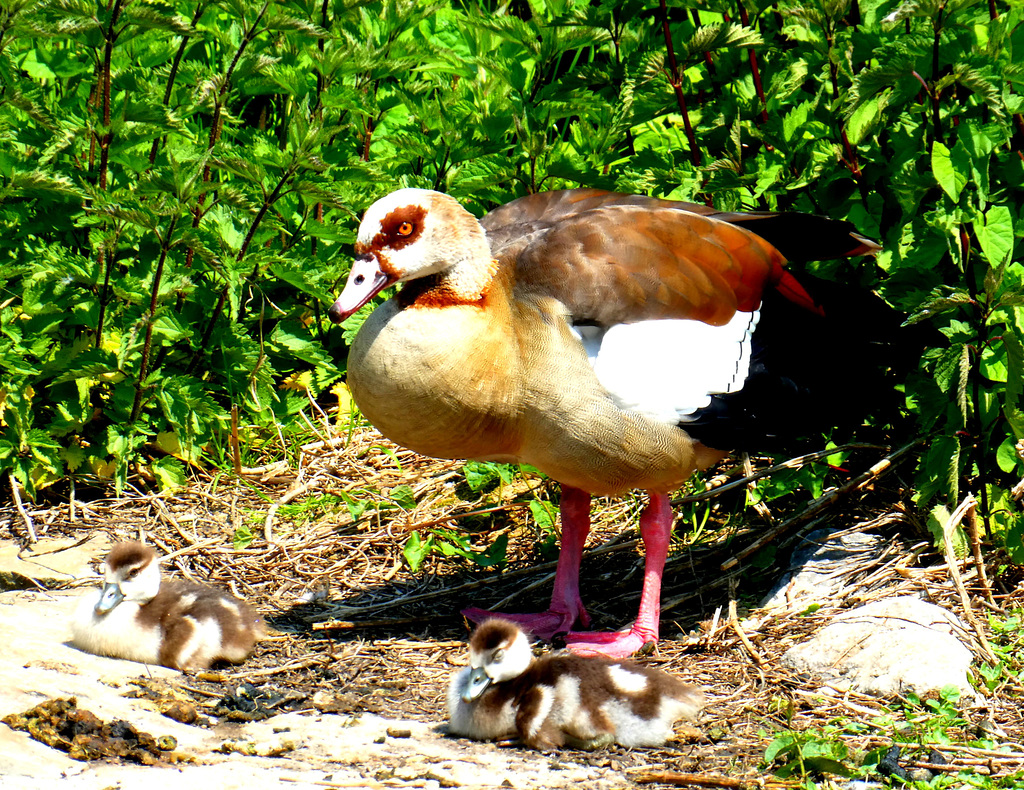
{"type": "Point", "coordinates": [1015, 417]}
{"type": "Point", "coordinates": [545, 514]}
{"type": "Point", "coordinates": [782, 743]}
{"type": "Point", "coordinates": [865, 118]}
{"type": "Point", "coordinates": [996, 235]}
{"type": "Point", "coordinates": [356, 507]}
{"type": "Point", "coordinates": [169, 473]}
{"type": "Point", "coordinates": [950, 178]}
{"type": "Point", "coordinates": [242, 538]}
{"type": "Point", "coordinates": [481, 474]}
{"type": "Point", "coordinates": [1014, 366]}
{"type": "Point", "coordinates": [417, 549]}
{"type": "Point", "coordinates": [1006, 455]}
{"type": "Point", "coordinates": [403, 497]}
{"type": "Point", "coordinates": [827, 765]}
{"type": "Point", "coordinates": [1015, 538]}
{"type": "Point", "coordinates": [943, 301]}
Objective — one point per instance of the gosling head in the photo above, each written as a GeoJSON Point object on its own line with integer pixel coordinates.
{"type": "Point", "coordinates": [498, 651]}
{"type": "Point", "coordinates": [130, 573]}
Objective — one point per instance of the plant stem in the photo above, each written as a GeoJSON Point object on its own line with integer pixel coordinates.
{"type": "Point", "coordinates": [708, 60]}
{"type": "Point", "coordinates": [675, 78]}
{"type": "Point", "coordinates": [204, 341]}
{"type": "Point", "coordinates": [165, 246]}
{"type": "Point", "coordinates": [745, 20]}
{"type": "Point", "coordinates": [101, 262]}
{"type": "Point", "coordinates": [110, 37]}
{"type": "Point", "coordinates": [218, 109]}
{"type": "Point", "coordinates": [367, 139]}
{"type": "Point", "coordinates": [262, 212]}
{"type": "Point", "coordinates": [175, 65]}
{"type": "Point", "coordinates": [215, 128]}
{"type": "Point", "coordinates": [934, 92]}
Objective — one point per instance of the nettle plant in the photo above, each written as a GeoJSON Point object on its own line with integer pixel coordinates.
{"type": "Point", "coordinates": [180, 184]}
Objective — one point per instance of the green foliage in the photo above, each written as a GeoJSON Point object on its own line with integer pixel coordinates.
{"type": "Point", "coordinates": [451, 543]}
{"type": "Point", "coordinates": [1008, 647]}
{"type": "Point", "coordinates": [486, 474]}
{"type": "Point", "coordinates": [912, 724]}
{"type": "Point", "coordinates": [807, 752]}
{"type": "Point", "coordinates": [179, 187]}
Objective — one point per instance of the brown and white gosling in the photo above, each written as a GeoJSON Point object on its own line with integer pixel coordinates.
{"type": "Point", "coordinates": [179, 624]}
{"type": "Point", "coordinates": [559, 699]}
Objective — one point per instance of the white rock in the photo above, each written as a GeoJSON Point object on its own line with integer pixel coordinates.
{"type": "Point", "coordinates": [888, 647]}
{"type": "Point", "coordinates": [816, 566]}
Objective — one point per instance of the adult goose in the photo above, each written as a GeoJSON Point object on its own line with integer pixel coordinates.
{"type": "Point", "coordinates": [612, 341]}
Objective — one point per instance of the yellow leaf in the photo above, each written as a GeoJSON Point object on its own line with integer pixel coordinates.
{"type": "Point", "coordinates": [169, 443]}
{"type": "Point", "coordinates": [298, 381]}
{"type": "Point", "coordinates": [346, 405]}
{"type": "Point", "coordinates": [103, 468]}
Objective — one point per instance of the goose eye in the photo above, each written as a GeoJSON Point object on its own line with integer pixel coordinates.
{"type": "Point", "coordinates": [499, 654]}
{"type": "Point", "coordinates": [405, 229]}
{"type": "Point", "coordinates": [133, 573]}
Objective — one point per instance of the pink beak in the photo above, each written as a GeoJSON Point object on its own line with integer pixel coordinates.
{"type": "Point", "coordinates": [365, 281]}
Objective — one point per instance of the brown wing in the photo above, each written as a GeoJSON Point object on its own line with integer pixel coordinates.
{"type": "Point", "coordinates": [614, 258]}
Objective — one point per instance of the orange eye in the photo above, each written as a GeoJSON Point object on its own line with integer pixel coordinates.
{"type": "Point", "coordinates": [405, 229]}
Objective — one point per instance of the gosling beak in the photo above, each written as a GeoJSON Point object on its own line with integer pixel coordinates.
{"type": "Point", "coordinates": [476, 685]}
{"type": "Point", "coordinates": [109, 598]}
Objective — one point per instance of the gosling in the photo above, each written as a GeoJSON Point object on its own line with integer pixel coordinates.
{"type": "Point", "coordinates": [179, 624]}
{"type": "Point", "coordinates": [562, 699]}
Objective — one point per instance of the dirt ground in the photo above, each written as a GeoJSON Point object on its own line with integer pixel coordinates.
{"type": "Point", "coordinates": [355, 632]}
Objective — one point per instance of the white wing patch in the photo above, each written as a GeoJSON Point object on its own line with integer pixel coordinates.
{"type": "Point", "coordinates": [624, 680]}
{"type": "Point", "coordinates": [547, 699]}
{"type": "Point", "coordinates": [668, 369]}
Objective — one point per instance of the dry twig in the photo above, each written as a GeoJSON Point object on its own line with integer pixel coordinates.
{"type": "Point", "coordinates": [954, 520]}
{"type": "Point", "coordinates": [822, 502]}
{"type": "Point", "coordinates": [25, 517]}
{"type": "Point", "coordinates": [710, 780]}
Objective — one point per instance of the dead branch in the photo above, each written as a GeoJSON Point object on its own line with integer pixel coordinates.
{"type": "Point", "coordinates": [969, 504]}
{"type": "Point", "coordinates": [821, 503]}
{"type": "Point", "coordinates": [25, 517]}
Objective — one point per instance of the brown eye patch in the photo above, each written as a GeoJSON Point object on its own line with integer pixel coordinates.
{"type": "Point", "coordinates": [400, 228]}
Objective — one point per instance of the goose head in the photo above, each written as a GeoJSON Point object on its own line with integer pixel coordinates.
{"type": "Point", "coordinates": [130, 573]}
{"type": "Point", "coordinates": [498, 651]}
{"type": "Point", "coordinates": [411, 234]}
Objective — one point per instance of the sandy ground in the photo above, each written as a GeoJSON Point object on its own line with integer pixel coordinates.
{"type": "Point", "coordinates": [344, 750]}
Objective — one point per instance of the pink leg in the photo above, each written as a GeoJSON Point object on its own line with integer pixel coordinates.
{"type": "Point", "coordinates": [566, 605]}
{"type": "Point", "coordinates": [656, 530]}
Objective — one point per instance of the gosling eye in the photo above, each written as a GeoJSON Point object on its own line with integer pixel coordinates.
{"type": "Point", "coordinates": [405, 228]}
{"type": "Point", "coordinates": [133, 573]}
{"type": "Point", "coordinates": [499, 654]}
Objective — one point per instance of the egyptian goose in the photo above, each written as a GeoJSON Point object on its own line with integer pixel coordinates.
{"type": "Point", "coordinates": [179, 624]}
{"type": "Point", "coordinates": [560, 699]}
{"type": "Point", "coordinates": [612, 341]}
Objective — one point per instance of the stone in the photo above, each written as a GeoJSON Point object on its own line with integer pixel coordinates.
{"type": "Point", "coordinates": [888, 647]}
{"type": "Point", "coordinates": [51, 563]}
{"type": "Point", "coordinates": [815, 564]}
